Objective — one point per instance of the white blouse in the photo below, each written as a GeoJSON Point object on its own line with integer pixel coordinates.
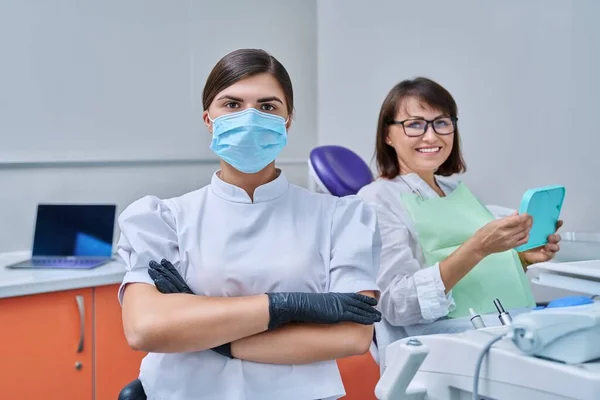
{"type": "Point", "coordinates": [223, 244]}
{"type": "Point", "coordinates": [412, 292]}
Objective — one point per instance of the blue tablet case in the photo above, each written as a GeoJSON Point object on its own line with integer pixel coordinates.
{"type": "Point", "coordinates": [544, 205]}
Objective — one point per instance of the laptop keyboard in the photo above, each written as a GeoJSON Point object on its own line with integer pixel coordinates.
{"type": "Point", "coordinates": [64, 261]}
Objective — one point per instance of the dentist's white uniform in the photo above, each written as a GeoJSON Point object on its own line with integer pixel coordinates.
{"type": "Point", "coordinates": [288, 240]}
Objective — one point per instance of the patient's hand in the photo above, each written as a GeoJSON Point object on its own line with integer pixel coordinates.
{"type": "Point", "coordinates": [546, 252]}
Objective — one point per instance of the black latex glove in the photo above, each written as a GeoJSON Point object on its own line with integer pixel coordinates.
{"type": "Point", "coordinates": [321, 308]}
{"type": "Point", "coordinates": [168, 280]}
{"type": "Point", "coordinates": [324, 308]}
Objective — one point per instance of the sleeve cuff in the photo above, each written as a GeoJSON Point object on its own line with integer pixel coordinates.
{"type": "Point", "coordinates": [433, 300]}
{"type": "Point", "coordinates": [439, 283]}
{"type": "Point", "coordinates": [134, 276]}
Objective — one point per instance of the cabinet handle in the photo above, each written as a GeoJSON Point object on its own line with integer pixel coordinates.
{"type": "Point", "coordinates": [80, 306]}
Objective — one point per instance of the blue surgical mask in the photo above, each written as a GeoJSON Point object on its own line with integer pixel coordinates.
{"type": "Point", "coordinates": [248, 140]}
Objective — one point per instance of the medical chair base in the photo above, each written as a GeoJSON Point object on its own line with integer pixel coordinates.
{"type": "Point", "coordinates": [133, 391]}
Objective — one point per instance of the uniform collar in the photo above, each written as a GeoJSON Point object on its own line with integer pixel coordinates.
{"type": "Point", "coordinates": [264, 193]}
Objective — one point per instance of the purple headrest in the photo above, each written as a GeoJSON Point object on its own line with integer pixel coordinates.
{"type": "Point", "coordinates": [341, 170]}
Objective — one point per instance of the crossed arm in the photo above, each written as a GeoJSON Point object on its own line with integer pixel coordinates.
{"type": "Point", "coordinates": [156, 322]}
{"type": "Point", "coordinates": [305, 343]}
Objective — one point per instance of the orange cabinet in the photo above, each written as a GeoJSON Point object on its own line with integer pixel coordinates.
{"type": "Point", "coordinates": [70, 345]}
{"type": "Point", "coordinates": [116, 364]}
{"type": "Point", "coordinates": [66, 345]}
{"type": "Point", "coordinates": [46, 346]}
{"type": "Point", "coordinates": [360, 375]}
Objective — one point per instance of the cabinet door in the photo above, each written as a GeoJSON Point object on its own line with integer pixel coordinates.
{"type": "Point", "coordinates": [360, 375]}
{"type": "Point", "coordinates": [117, 364]}
{"type": "Point", "coordinates": [46, 346]}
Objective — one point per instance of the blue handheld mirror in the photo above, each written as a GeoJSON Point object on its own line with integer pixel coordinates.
{"type": "Point", "coordinates": [544, 205]}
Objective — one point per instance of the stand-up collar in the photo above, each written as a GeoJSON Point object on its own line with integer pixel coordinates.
{"type": "Point", "coordinates": [264, 193]}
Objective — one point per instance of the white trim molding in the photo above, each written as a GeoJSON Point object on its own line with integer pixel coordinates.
{"type": "Point", "coordinates": [125, 163]}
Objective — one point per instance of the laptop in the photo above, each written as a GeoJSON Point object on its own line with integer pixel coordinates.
{"type": "Point", "coordinates": [72, 236]}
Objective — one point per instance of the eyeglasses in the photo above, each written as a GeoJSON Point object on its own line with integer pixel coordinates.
{"type": "Point", "coordinates": [414, 127]}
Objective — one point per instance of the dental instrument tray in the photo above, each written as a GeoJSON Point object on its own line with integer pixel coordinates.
{"type": "Point", "coordinates": [544, 205]}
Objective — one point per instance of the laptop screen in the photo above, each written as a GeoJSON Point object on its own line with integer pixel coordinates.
{"type": "Point", "coordinates": [80, 230]}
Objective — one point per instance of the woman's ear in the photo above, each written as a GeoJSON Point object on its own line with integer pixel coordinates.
{"type": "Point", "coordinates": [207, 121]}
{"type": "Point", "coordinates": [289, 122]}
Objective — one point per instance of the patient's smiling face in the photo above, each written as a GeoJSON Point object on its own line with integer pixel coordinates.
{"type": "Point", "coordinates": [424, 153]}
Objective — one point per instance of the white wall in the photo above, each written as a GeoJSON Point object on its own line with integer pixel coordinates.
{"type": "Point", "coordinates": [93, 84]}
{"type": "Point", "coordinates": [80, 78]}
{"type": "Point", "coordinates": [524, 74]}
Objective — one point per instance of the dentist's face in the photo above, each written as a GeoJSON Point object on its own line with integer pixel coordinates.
{"type": "Point", "coordinates": [425, 153]}
{"type": "Point", "coordinates": [261, 91]}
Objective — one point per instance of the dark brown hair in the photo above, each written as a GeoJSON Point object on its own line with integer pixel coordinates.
{"type": "Point", "coordinates": [431, 94]}
{"type": "Point", "coordinates": [241, 64]}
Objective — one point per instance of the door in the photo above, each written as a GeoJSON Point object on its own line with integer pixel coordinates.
{"type": "Point", "coordinates": [117, 364]}
{"type": "Point", "coordinates": [46, 346]}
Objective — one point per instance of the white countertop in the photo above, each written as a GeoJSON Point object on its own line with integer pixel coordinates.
{"type": "Point", "coordinates": [21, 282]}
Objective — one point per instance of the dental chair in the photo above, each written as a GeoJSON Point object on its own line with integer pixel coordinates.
{"type": "Point", "coordinates": [337, 170]}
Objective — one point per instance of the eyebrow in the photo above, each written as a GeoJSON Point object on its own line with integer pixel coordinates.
{"type": "Point", "coordinates": [261, 100]}
{"type": "Point", "coordinates": [419, 117]}
{"type": "Point", "coordinates": [266, 99]}
{"type": "Point", "coordinates": [230, 98]}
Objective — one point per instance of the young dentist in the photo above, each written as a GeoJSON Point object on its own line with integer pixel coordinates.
{"type": "Point", "coordinates": [443, 252]}
{"type": "Point", "coordinates": [262, 284]}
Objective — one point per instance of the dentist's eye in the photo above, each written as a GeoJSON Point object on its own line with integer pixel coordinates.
{"type": "Point", "coordinates": [267, 107]}
{"type": "Point", "coordinates": [232, 104]}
